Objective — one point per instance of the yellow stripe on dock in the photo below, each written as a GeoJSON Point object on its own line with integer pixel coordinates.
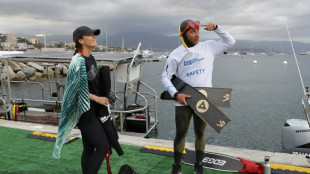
{"type": "Point", "coordinates": [45, 134]}
{"type": "Point", "coordinates": [48, 135]}
{"type": "Point", "coordinates": [167, 149]}
{"type": "Point", "coordinates": [288, 167]}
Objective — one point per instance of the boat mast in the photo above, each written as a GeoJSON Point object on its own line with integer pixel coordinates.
{"type": "Point", "coordinates": [123, 44]}
{"type": "Point", "coordinates": [106, 37]}
{"type": "Point", "coordinates": [302, 82]}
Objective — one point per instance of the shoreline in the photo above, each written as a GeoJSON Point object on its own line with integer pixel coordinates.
{"type": "Point", "coordinates": [19, 70]}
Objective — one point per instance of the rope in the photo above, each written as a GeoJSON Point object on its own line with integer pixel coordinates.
{"type": "Point", "coordinates": [302, 82]}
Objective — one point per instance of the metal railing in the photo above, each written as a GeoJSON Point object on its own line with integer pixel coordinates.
{"type": "Point", "coordinates": [8, 99]}
{"type": "Point", "coordinates": [120, 109]}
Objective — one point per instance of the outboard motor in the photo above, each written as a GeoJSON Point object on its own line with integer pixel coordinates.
{"type": "Point", "coordinates": [296, 137]}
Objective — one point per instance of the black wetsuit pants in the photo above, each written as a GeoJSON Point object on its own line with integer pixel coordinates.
{"type": "Point", "coordinates": [183, 115]}
{"type": "Point", "coordinates": [95, 146]}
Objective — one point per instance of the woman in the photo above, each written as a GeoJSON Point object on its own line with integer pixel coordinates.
{"type": "Point", "coordinates": [81, 101]}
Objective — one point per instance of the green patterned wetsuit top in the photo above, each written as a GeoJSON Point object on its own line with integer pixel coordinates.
{"type": "Point", "coordinates": [75, 101]}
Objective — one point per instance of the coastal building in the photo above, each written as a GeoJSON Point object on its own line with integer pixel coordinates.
{"type": "Point", "coordinates": [3, 44]}
{"type": "Point", "coordinates": [10, 42]}
{"type": "Point", "coordinates": [70, 45]}
{"type": "Point", "coordinates": [100, 47]}
{"type": "Point", "coordinates": [31, 48]}
{"type": "Point", "coordinates": [2, 38]}
{"type": "Point", "coordinates": [22, 46]}
{"type": "Point", "coordinates": [34, 41]}
{"type": "Point", "coordinates": [53, 44]}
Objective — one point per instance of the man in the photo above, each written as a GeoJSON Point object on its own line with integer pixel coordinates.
{"type": "Point", "coordinates": [192, 62]}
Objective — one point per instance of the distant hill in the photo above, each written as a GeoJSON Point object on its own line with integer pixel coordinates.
{"type": "Point", "coordinates": [268, 46]}
{"type": "Point", "coordinates": [148, 40]}
{"type": "Point", "coordinates": [167, 43]}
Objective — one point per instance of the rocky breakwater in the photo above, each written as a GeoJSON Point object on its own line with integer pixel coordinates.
{"type": "Point", "coordinates": [31, 71]}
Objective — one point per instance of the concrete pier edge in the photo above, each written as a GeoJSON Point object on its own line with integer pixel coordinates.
{"type": "Point", "coordinates": [253, 155]}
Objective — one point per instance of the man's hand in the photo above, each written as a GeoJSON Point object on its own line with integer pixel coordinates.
{"type": "Point", "coordinates": [209, 26]}
{"type": "Point", "coordinates": [181, 98]}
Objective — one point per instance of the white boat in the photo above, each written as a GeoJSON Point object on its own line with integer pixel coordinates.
{"type": "Point", "coordinates": [250, 54]}
{"type": "Point", "coordinates": [162, 57]}
{"type": "Point", "coordinates": [255, 61]}
{"type": "Point", "coordinates": [145, 53]}
{"type": "Point", "coordinates": [236, 54]}
{"type": "Point", "coordinates": [306, 53]}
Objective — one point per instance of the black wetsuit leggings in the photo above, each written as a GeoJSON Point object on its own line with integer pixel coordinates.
{"type": "Point", "coordinates": [95, 146]}
{"type": "Point", "coordinates": [183, 115]}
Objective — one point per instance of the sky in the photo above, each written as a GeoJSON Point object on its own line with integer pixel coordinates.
{"type": "Point", "coordinates": [257, 20]}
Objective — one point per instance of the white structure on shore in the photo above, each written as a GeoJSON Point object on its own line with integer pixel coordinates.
{"type": "Point", "coordinates": [6, 53]}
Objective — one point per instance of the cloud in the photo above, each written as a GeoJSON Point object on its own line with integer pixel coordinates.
{"type": "Point", "coordinates": [245, 19]}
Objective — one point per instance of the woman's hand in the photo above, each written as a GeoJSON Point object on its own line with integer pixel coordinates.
{"type": "Point", "coordinates": [100, 100]}
{"type": "Point", "coordinates": [103, 101]}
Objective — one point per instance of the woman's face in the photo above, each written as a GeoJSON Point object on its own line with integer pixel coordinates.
{"type": "Point", "coordinates": [89, 41]}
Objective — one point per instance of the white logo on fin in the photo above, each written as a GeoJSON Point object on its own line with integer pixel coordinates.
{"type": "Point", "coordinates": [226, 97]}
{"type": "Point", "coordinates": [221, 124]}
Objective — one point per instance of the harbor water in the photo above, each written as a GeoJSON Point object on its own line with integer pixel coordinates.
{"type": "Point", "coordinates": [264, 96]}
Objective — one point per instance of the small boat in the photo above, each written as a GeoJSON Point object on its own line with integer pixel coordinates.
{"type": "Point", "coordinates": [255, 61]}
{"type": "Point", "coordinates": [306, 53]}
{"type": "Point", "coordinates": [250, 54]}
{"type": "Point", "coordinates": [285, 62]}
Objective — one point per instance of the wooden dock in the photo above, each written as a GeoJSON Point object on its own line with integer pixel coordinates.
{"type": "Point", "coordinates": [38, 117]}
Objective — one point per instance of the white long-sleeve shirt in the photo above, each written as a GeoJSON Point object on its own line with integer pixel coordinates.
{"type": "Point", "coordinates": [195, 65]}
